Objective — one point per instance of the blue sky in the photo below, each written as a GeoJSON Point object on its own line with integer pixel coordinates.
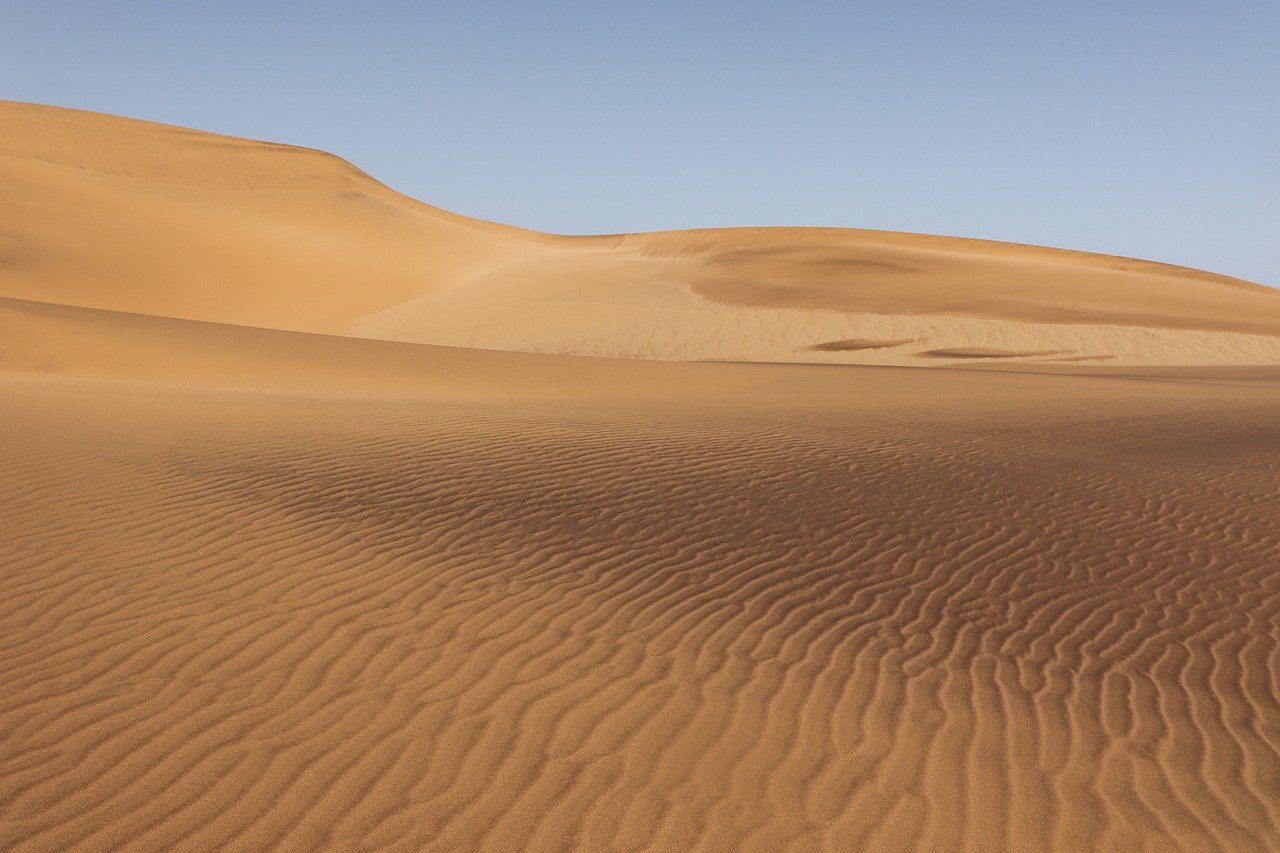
{"type": "Point", "coordinates": [1149, 129]}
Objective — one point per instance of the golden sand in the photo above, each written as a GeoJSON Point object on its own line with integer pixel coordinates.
{"type": "Point", "coordinates": [317, 531]}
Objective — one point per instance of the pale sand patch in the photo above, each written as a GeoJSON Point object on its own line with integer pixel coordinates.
{"type": "Point", "coordinates": [531, 309]}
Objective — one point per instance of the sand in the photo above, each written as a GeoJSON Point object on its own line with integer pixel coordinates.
{"type": "Point", "coordinates": [106, 212]}
{"type": "Point", "coordinates": [302, 549]}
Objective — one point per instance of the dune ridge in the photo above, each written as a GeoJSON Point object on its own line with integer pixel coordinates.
{"type": "Point", "coordinates": [283, 237]}
{"type": "Point", "coordinates": [288, 562]}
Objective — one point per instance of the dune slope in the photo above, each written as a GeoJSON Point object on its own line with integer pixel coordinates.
{"type": "Point", "coordinates": [511, 601]}
{"type": "Point", "coordinates": [278, 571]}
{"type": "Point", "coordinates": [109, 212]}
{"type": "Point", "coordinates": [106, 212]}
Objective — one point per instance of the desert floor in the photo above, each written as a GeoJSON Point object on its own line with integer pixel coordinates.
{"type": "Point", "coordinates": [320, 529]}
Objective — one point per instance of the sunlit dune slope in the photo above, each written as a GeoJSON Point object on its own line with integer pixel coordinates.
{"type": "Point", "coordinates": [113, 213]}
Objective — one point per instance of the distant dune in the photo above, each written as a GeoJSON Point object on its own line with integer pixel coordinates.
{"type": "Point", "coordinates": [107, 212]}
{"type": "Point", "coordinates": [317, 531]}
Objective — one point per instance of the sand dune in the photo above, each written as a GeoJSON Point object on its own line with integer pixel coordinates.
{"type": "Point", "coordinates": [270, 582]}
{"type": "Point", "coordinates": [259, 234]}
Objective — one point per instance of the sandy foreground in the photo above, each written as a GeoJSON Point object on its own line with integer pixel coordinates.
{"type": "Point", "coordinates": [319, 531]}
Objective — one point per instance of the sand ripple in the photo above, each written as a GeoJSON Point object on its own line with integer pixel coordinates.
{"type": "Point", "coordinates": [242, 621]}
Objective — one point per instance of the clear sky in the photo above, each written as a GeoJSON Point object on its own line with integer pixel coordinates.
{"type": "Point", "coordinates": [1139, 127]}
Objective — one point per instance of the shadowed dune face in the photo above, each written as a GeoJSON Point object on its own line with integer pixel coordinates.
{"type": "Point", "coordinates": [987, 352]}
{"type": "Point", "coordinates": [279, 571]}
{"type": "Point", "coordinates": [856, 344]}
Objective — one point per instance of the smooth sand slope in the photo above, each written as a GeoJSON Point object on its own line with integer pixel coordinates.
{"type": "Point", "coordinates": [108, 212]}
{"type": "Point", "coordinates": [299, 589]}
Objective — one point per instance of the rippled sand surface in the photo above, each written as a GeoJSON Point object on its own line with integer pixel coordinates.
{"type": "Point", "coordinates": [294, 588]}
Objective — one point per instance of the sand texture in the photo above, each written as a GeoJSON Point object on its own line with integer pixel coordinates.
{"type": "Point", "coordinates": [319, 530]}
